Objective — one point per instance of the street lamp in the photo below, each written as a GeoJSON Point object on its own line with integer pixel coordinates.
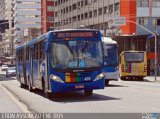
{"type": "Point", "coordinates": [155, 53]}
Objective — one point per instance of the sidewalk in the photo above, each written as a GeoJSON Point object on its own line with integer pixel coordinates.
{"type": "Point", "coordinates": [152, 78]}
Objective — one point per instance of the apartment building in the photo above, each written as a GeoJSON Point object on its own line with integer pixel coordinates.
{"type": "Point", "coordinates": [2, 12]}
{"type": "Point", "coordinates": [90, 13]}
{"type": "Point", "coordinates": [47, 15]}
{"type": "Point", "coordinates": [9, 41]}
{"type": "Point", "coordinates": [6, 27]}
{"type": "Point", "coordinates": [2, 9]}
{"type": "Point", "coordinates": [27, 16]}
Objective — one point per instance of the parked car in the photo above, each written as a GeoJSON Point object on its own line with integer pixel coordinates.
{"type": "Point", "coordinates": [4, 67]}
{"type": "Point", "coordinates": [11, 71]}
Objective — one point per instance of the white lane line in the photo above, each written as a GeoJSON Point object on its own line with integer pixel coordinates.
{"type": "Point", "coordinates": [19, 104]}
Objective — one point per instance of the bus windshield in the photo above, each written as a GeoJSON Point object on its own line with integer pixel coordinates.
{"type": "Point", "coordinates": [134, 56]}
{"type": "Point", "coordinates": [112, 55]}
{"type": "Point", "coordinates": [76, 54]}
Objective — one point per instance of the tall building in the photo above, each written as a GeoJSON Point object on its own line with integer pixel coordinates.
{"type": "Point", "coordinates": [27, 16]}
{"type": "Point", "coordinates": [47, 15]}
{"type": "Point", "coordinates": [2, 9]}
{"type": "Point", "coordinates": [9, 41]}
{"type": "Point", "coordinates": [6, 22]}
{"type": "Point", "coordinates": [96, 14]}
{"type": "Point", "coordinates": [90, 13]}
{"type": "Point", "coordinates": [2, 12]}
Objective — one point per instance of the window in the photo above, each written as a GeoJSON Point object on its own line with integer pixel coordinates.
{"type": "Point", "coordinates": [100, 11]}
{"type": "Point", "coordinates": [82, 17]}
{"type": "Point", "coordinates": [81, 3]}
{"type": "Point", "coordinates": [27, 54]}
{"type": "Point", "coordinates": [110, 8]}
{"type": "Point", "coordinates": [116, 6]}
{"type": "Point", "coordinates": [42, 50]}
{"type": "Point", "coordinates": [79, 17]}
{"type": "Point", "coordinates": [50, 8]}
{"type": "Point", "coordinates": [36, 51]}
{"type": "Point", "coordinates": [50, 18]}
{"type": "Point", "coordinates": [86, 2]}
{"type": "Point", "coordinates": [143, 3]}
{"type": "Point", "coordinates": [66, 9]}
{"type": "Point", "coordinates": [86, 15]}
{"type": "Point", "coordinates": [156, 3]}
{"type": "Point", "coordinates": [90, 14]}
{"type": "Point", "coordinates": [74, 7]}
{"type": "Point", "coordinates": [143, 21]}
{"type": "Point", "coordinates": [105, 9]}
{"type": "Point", "coordinates": [95, 13]}
{"type": "Point", "coordinates": [158, 22]}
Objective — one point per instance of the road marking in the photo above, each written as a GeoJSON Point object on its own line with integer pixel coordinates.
{"type": "Point", "coordinates": [22, 106]}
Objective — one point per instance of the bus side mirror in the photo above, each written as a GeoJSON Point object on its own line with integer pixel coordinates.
{"type": "Point", "coordinates": [47, 47]}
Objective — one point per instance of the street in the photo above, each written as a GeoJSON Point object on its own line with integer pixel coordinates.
{"type": "Point", "coordinates": [118, 97]}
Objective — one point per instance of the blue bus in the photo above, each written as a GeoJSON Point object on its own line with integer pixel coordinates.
{"type": "Point", "coordinates": [61, 61]}
{"type": "Point", "coordinates": [111, 59]}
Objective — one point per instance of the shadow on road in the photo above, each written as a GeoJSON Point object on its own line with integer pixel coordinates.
{"type": "Point", "coordinates": [70, 97]}
{"type": "Point", "coordinates": [115, 85]}
{"type": "Point", "coordinates": [138, 80]}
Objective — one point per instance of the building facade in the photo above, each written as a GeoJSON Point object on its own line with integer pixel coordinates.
{"type": "Point", "coordinates": [9, 41]}
{"type": "Point", "coordinates": [2, 9]}
{"type": "Point", "coordinates": [2, 12]}
{"type": "Point", "coordinates": [90, 13]}
{"type": "Point", "coordinates": [27, 15]}
{"type": "Point", "coordinates": [6, 23]}
{"type": "Point", "coordinates": [47, 15]}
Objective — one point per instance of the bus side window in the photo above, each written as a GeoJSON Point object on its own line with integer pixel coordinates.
{"type": "Point", "coordinates": [120, 59]}
{"type": "Point", "coordinates": [41, 50]}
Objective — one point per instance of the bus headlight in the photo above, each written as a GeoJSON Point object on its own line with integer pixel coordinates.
{"type": "Point", "coordinates": [98, 77]}
{"type": "Point", "coordinates": [56, 78]}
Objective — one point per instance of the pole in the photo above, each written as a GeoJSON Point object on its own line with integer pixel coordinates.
{"type": "Point", "coordinates": [155, 52]}
{"type": "Point", "coordinates": [155, 61]}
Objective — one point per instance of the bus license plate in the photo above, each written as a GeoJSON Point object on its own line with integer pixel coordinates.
{"type": "Point", "coordinates": [79, 86]}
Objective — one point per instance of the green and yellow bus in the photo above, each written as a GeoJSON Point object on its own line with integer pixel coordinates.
{"type": "Point", "coordinates": [133, 65]}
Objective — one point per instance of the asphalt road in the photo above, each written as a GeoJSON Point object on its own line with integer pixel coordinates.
{"type": "Point", "coordinates": [118, 97]}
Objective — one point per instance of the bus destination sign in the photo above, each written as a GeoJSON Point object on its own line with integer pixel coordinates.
{"type": "Point", "coordinates": [75, 34]}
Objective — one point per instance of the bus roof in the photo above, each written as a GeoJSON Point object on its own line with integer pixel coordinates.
{"type": "Point", "coordinates": [132, 51]}
{"type": "Point", "coordinates": [46, 35]}
{"type": "Point", "coordinates": [108, 40]}
{"type": "Point", "coordinates": [81, 29]}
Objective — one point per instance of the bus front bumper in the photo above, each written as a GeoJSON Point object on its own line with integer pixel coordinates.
{"type": "Point", "coordinates": [68, 87]}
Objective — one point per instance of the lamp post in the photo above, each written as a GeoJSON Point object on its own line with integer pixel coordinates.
{"type": "Point", "coordinates": [155, 52]}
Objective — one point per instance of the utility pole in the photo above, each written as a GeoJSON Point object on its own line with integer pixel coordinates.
{"type": "Point", "coordinates": [155, 73]}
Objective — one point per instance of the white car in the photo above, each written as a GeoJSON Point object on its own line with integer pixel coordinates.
{"type": "Point", "coordinates": [4, 68]}
{"type": "Point", "coordinates": [11, 71]}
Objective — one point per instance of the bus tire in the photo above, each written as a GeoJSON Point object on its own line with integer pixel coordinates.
{"type": "Point", "coordinates": [46, 93]}
{"type": "Point", "coordinates": [123, 78]}
{"type": "Point", "coordinates": [88, 92]}
{"type": "Point", "coordinates": [106, 82]}
{"type": "Point", "coordinates": [29, 85]}
{"type": "Point", "coordinates": [21, 84]}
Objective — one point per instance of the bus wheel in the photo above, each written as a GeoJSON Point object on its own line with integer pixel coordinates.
{"type": "Point", "coordinates": [88, 92]}
{"type": "Point", "coordinates": [46, 93]}
{"type": "Point", "coordinates": [21, 84]}
{"type": "Point", "coordinates": [29, 85]}
{"type": "Point", "coordinates": [106, 82]}
{"type": "Point", "coordinates": [123, 78]}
